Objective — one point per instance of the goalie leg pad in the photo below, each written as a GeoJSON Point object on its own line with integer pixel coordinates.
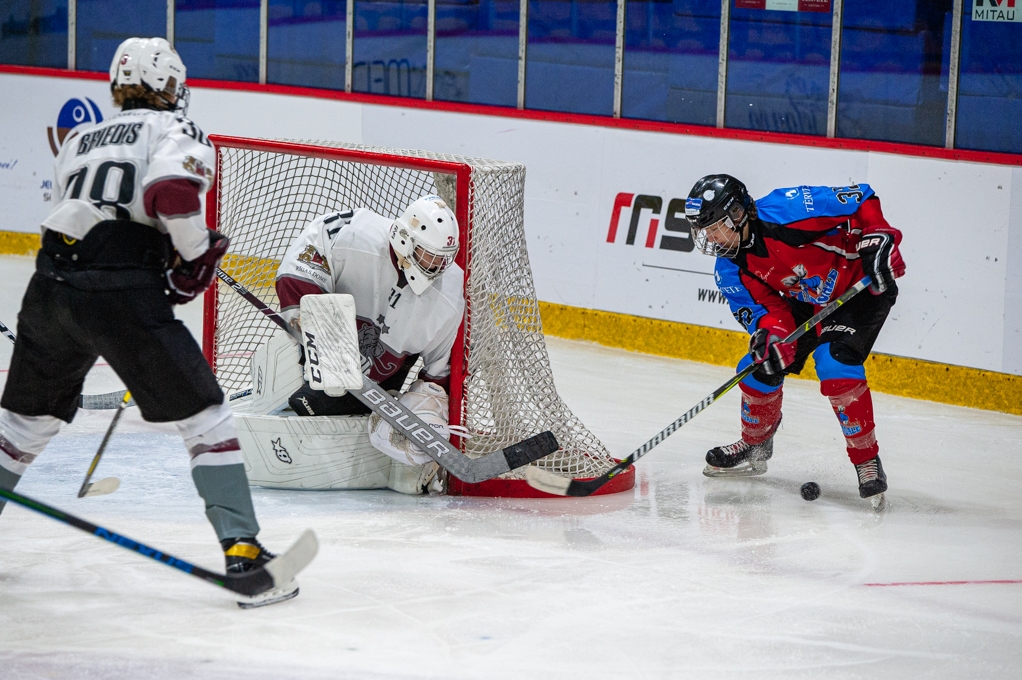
{"type": "Point", "coordinates": [426, 400]}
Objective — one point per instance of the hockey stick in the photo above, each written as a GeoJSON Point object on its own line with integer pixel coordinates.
{"type": "Point", "coordinates": [108, 400]}
{"type": "Point", "coordinates": [110, 484]}
{"type": "Point", "coordinates": [560, 486]}
{"type": "Point", "coordinates": [275, 574]}
{"type": "Point", "coordinates": [471, 470]}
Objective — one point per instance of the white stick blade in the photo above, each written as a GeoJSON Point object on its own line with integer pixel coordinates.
{"type": "Point", "coordinates": [102, 487]}
{"type": "Point", "coordinates": [285, 567]}
{"type": "Point", "coordinates": [546, 481]}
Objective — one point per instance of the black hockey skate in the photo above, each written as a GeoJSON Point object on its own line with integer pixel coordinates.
{"type": "Point", "coordinates": [243, 556]}
{"type": "Point", "coordinates": [872, 482]}
{"type": "Point", "coordinates": [740, 459]}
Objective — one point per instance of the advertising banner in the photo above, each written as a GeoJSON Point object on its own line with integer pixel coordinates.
{"type": "Point", "coordinates": [604, 205]}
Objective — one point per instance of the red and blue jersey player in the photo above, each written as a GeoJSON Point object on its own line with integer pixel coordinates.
{"type": "Point", "coordinates": [780, 259]}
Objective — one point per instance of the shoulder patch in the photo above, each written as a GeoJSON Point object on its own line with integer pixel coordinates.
{"type": "Point", "coordinates": [311, 257]}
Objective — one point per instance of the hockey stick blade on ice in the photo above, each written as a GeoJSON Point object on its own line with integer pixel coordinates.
{"type": "Point", "coordinates": [110, 484]}
{"type": "Point", "coordinates": [471, 470]}
{"type": "Point", "coordinates": [96, 402]}
{"type": "Point", "coordinates": [561, 486]}
{"type": "Point", "coordinates": [277, 573]}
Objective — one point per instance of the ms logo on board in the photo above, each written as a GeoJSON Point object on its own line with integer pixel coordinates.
{"type": "Point", "coordinates": [75, 112]}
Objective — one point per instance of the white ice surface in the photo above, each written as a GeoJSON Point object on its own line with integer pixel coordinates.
{"type": "Point", "coordinates": [684, 577]}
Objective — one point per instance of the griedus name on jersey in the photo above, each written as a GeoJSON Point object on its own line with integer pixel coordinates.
{"type": "Point", "coordinates": [122, 133]}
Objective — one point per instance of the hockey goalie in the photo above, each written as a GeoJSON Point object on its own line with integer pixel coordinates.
{"type": "Point", "coordinates": [371, 296]}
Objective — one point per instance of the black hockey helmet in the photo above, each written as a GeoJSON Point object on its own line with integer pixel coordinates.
{"type": "Point", "coordinates": [716, 203]}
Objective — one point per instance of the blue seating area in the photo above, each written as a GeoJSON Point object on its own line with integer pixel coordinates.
{"type": "Point", "coordinates": [893, 85]}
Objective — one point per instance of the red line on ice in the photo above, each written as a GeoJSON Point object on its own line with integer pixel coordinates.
{"type": "Point", "coordinates": [945, 583]}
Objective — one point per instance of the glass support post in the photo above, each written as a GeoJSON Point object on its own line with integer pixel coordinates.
{"type": "Point", "coordinates": [170, 21]}
{"type": "Point", "coordinates": [835, 67]}
{"type": "Point", "coordinates": [523, 46]}
{"type": "Point", "coordinates": [349, 43]}
{"type": "Point", "coordinates": [72, 30]}
{"type": "Point", "coordinates": [953, 73]}
{"type": "Point", "coordinates": [430, 47]}
{"type": "Point", "coordinates": [725, 32]}
{"type": "Point", "coordinates": [619, 58]}
{"type": "Point", "coordinates": [264, 38]}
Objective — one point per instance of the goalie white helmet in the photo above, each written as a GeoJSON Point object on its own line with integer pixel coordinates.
{"type": "Point", "coordinates": [425, 238]}
{"type": "Point", "coordinates": [152, 63]}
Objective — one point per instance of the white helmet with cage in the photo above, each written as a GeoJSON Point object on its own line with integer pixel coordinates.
{"type": "Point", "coordinates": [152, 63]}
{"type": "Point", "coordinates": [425, 239]}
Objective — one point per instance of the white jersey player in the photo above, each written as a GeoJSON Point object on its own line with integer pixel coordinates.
{"type": "Point", "coordinates": [409, 303]}
{"type": "Point", "coordinates": [123, 243]}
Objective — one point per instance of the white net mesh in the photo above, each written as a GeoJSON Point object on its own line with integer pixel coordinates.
{"type": "Point", "coordinates": [266, 199]}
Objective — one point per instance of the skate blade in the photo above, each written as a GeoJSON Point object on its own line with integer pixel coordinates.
{"type": "Point", "coordinates": [274, 596]}
{"type": "Point", "coordinates": [747, 469]}
{"type": "Point", "coordinates": [879, 502]}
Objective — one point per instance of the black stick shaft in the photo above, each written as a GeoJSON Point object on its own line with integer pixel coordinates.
{"type": "Point", "coordinates": [123, 541]}
{"type": "Point", "coordinates": [588, 487]}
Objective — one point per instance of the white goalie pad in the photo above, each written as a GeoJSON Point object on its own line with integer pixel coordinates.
{"type": "Point", "coordinates": [332, 359]}
{"type": "Point", "coordinates": [426, 400]}
{"type": "Point", "coordinates": [276, 374]}
{"type": "Point", "coordinates": [311, 452]}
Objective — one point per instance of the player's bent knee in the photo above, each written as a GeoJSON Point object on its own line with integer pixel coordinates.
{"type": "Point", "coordinates": [211, 436]}
{"type": "Point", "coordinates": [837, 362]}
{"type": "Point", "coordinates": [23, 438]}
{"type": "Point", "coordinates": [759, 380]}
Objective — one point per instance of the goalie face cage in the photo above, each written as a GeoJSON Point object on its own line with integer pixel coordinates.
{"type": "Point", "coordinates": [502, 388]}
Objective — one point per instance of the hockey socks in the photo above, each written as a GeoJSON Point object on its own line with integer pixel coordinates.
{"type": "Point", "coordinates": [761, 413]}
{"type": "Point", "coordinates": [853, 406]}
{"type": "Point", "coordinates": [225, 490]}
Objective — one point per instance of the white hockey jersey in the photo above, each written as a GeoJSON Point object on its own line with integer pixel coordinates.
{"type": "Point", "coordinates": [103, 172]}
{"type": "Point", "coordinates": [349, 252]}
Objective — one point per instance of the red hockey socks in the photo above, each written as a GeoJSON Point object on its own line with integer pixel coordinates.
{"type": "Point", "coordinates": [853, 407]}
{"type": "Point", "coordinates": [761, 414]}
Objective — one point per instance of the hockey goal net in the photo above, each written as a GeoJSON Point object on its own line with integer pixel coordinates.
{"type": "Point", "coordinates": [502, 387]}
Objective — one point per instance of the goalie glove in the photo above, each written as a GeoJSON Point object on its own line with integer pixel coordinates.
{"type": "Point", "coordinates": [768, 350]}
{"type": "Point", "coordinates": [187, 279]}
{"type": "Point", "coordinates": [426, 400]}
{"type": "Point", "coordinates": [881, 259]}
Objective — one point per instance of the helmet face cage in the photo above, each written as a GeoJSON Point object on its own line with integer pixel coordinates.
{"type": "Point", "coordinates": [717, 209]}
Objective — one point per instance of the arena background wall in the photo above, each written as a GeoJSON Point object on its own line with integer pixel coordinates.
{"type": "Point", "coordinates": [611, 259]}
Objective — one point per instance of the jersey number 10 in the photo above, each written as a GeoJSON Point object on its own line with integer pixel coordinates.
{"type": "Point", "coordinates": [99, 196]}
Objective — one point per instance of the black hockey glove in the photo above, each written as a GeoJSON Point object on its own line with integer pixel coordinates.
{"type": "Point", "coordinates": [187, 279]}
{"type": "Point", "coordinates": [881, 259]}
{"type": "Point", "coordinates": [767, 350]}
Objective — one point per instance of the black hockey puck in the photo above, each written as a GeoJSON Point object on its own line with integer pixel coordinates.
{"type": "Point", "coordinates": [810, 491]}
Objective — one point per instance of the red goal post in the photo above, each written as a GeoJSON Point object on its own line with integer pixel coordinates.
{"type": "Point", "coordinates": [502, 391]}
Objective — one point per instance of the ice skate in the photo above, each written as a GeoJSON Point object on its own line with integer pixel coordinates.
{"type": "Point", "coordinates": [244, 555]}
{"type": "Point", "coordinates": [872, 482]}
{"type": "Point", "coordinates": [740, 459]}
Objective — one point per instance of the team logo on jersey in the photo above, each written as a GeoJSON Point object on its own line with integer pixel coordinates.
{"type": "Point", "coordinates": [813, 289]}
{"type": "Point", "coordinates": [197, 167]}
{"type": "Point", "coordinates": [279, 451]}
{"type": "Point", "coordinates": [311, 257]}
{"type": "Point", "coordinates": [75, 112]}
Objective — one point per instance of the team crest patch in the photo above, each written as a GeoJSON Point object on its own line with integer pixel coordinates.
{"type": "Point", "coordinates": [197, 167]}
{"type": "Point", "coordinates": [812, 289]}
{"type": "Point", "coordinates": [311, 257]}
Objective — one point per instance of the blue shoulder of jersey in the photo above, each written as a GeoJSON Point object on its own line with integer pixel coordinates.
{"type": "Point", "coordinates": [793, 204]}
